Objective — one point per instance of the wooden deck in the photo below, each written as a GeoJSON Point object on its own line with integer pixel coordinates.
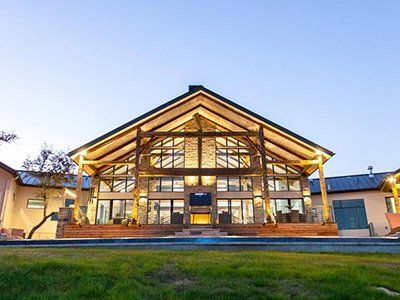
{"type": "Point", "coordinates": [283, 229]}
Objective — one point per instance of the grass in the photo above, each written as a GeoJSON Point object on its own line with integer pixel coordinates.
{"type": "Point", "coordinates": [147, 274]}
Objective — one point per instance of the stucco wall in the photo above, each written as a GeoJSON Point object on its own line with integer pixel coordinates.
{"type": "Point", "coordinates": [25, 218]}
{"type": "Point", "coordinates": [375, 208]}
{"type": "Point", "coordinates": [7, 191]}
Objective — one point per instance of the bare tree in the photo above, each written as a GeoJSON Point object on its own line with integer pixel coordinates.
{"type": "Point", "coordinates": [51, 169]}
{"type": "Point", "coordinates": [7, 137]}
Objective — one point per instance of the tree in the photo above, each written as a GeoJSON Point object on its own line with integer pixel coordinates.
{"type": "Point", "coordinates": [7, 137]}
{"type": "Point", "coordinates": [51, 169]}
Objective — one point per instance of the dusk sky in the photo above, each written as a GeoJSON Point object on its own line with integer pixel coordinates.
{"type": "Point", "coordinates": [71, 71]}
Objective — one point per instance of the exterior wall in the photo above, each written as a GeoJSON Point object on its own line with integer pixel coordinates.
{"type": "Point", "coordinates": [8, 188]}
{"type": "Point", "coordinates": [25, 218]}
{"type": "Point", "coordinates": [375, 208]}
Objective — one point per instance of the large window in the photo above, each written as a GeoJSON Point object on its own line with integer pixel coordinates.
{"type": "Point", "coordinates": [232, 153]}
{"type": "Point", "coordinates": [110, 182]}
{"type": "Point", "coordinates": [283, 183]}
{"type": "Point", "coordinates": [166, 184]}
{"type": "Point", "coordinates": [390, 205]}
{"type": "Point", "coordinates": [165, 211]}
{"type": "Point", "coordinates": [168, 153]}
{"type": "Point", "coordinates": [113, 209]}
{"type": "Point", "coordinates": [35, 203]}
{"type": "Point", "coordinates": [236, 211]}
{"type": "Point", "coordinates": [234, 184]}
{"type": "Point", "coordinates": [284, 206]}
{"type": "Point", "coordinates": [350, 214]}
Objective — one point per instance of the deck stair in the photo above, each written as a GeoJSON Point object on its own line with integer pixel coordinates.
{"type": "Point", "coordinates": [201, 231]}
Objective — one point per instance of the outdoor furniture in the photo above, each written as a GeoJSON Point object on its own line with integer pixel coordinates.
{"type": "Point", "coordinates": [225, 218]}
{"type": "Point", "coordinates": [394, 222]}
{"type": "Point", "coordinates": [294, 216]}
{"type": "Point", "coordinates": [176, 218]}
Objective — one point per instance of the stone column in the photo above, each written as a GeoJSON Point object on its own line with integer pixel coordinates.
{"type": "Point", "coordinates": [65, 216]}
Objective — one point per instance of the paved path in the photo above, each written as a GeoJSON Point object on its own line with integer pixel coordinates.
{"type": "Point", "coordinates": [304, 244]}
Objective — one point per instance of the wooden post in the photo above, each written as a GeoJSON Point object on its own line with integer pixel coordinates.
{"type": "Point", "coordinates": [396, 196]}
{"type": "Point", "coordinates": [78, 188]}
{"type": "Point", "coordinates": [135, 210]}
{"type": "Point", "coordinates": [324, 195]}
{"type": "Point", "coordinates": [265, 191]}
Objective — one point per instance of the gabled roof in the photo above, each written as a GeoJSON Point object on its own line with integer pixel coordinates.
{"type": "Point", "coordinates": [8, 169]}
{"type": "Point", "coordinates": [212, 106]}
{"type": "Point", "coordinates": [349, 183]}
{"type": "Point", "coordinates": [29, 179]}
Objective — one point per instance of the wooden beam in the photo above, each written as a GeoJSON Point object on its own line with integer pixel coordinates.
{"type": "Point", "coordinates": [264, 175]}
{"type": "Point", "coordinates": [396, 197]}
{"type": "Point", "coordinates": [196, 118]}
{"type": "Point", "coordinates": [171, 172]}
{"type": "Point", "coordinates": [135, 210]}
{"type": "Point", "coordinates": [108, 163]}
{"type": "Point", "coordinates": [324, 195]}
{"type": "Point", "coordinates": [198, 134]}
{"type": "Point", "coordinates": [293, 162]}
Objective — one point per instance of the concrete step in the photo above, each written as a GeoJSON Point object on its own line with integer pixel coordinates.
{"type": "Point", "coordinates": [201, 231]}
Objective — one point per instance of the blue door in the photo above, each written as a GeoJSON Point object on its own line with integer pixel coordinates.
{"type": "Point", "coordinates": [350, 214]}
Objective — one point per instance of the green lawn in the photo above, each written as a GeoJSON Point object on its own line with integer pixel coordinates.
{"type": "Point", "coordinates": [135, 274]}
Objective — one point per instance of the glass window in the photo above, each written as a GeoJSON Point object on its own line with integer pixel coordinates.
{"type": "Point", "coordinates": [248, 216]}
{"type": "Point", "coordinates": [281, 184]}
{"type": "Point", "coordinates": [233, 184]}
{"type": "Point", "coordinates": [165, 211]}
{"type": "Point", "coordinates": [103, 211]}
{"type": "Point", "coordinates": [152, 211]}
{"type": "Point", "coordinates": [69, 202]}
{"type": "Point", "coordinates": [294, 184]}
{"type": "Point", "coordinates": [35, 203]}
{"type": "Point", "coordinates": [106, 185]}
{"type": "Point", "coordinates": [178, 206]}
{"type": "Point", "coordinates": [236, 209]}
{"type": "Point", "coordinates": [297, 204]}
{"type": "Point", "coordinates": [128, 208]}
{"type": "Point", "coordinates": [232, 153]}
{"type": "Point", "coordinates": [179, 184]}
{"type": "Point", "coordinates": [166, 184]}
{"type": "Point", "coordinates": [154, 184]}
{"type": "Point", "coordinates": [246, 184]}
{"type": "Point", "coordinates": [282, 206]}
{"type": "Point", "coordinates": [222, 184]}
{"type": "Point", "coordinates": [165, 157]}
{"type": "Point", "coordinates": [223, 206]}
{"type": "Point", "coordinates": [390, 205]}
{"type": "Point", "coordinates": [118, 209]}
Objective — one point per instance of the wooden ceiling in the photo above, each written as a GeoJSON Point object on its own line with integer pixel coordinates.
{"type": "Point", "coordinates": [121, 142]}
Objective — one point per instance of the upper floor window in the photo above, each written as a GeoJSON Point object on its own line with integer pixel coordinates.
{"type": "Point", "coordinates": [284, 183]}
{"type": "Point", "coordinates": [234, 184]}
{"type": "Point", "coordinates": [166, 184]}
{"type": "Point", "coordinates": [111, 182]}
{"type": "Point", "coordinates": [231, 153]}
{"type": "Point", "coordinates": [169, 153]}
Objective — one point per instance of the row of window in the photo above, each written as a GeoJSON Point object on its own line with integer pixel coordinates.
{"type": "Point", "coordinates": [176, 184]}
{"type": "Point", "coordinates": [168, 211]}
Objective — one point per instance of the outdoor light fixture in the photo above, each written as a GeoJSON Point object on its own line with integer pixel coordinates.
{"type": "Point", "coordinates": [392, 179]}
{"type": "Point", "coordinates": [83, 152]}
{"type": "Point", "coordinates": [319, 152]}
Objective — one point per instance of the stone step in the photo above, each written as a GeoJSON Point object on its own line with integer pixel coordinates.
{"type": "Point", "coordinates": [206, 231]}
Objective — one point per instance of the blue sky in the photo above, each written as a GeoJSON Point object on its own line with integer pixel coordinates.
{"type": "Point", "coordinates": [328, 70]}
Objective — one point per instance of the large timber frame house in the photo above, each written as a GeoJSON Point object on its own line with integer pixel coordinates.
{"type": "Point", "coordinates": [201, 159]}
